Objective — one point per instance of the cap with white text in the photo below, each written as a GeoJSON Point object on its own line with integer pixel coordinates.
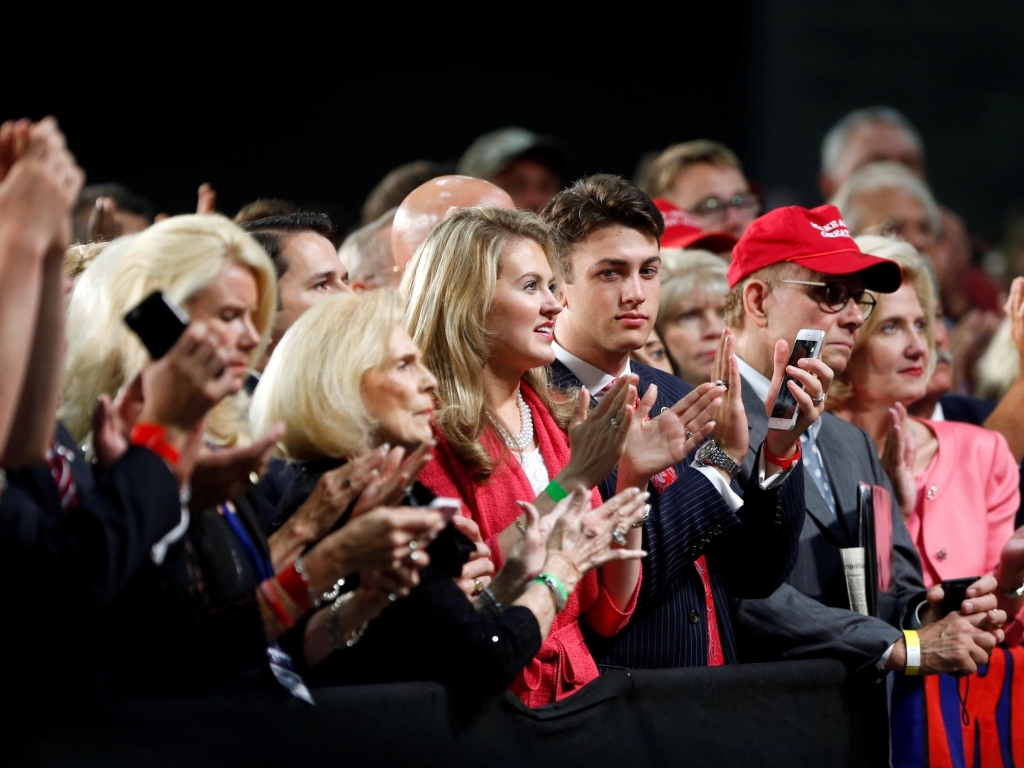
{"type": "Point", "coordinates": [817, 239]}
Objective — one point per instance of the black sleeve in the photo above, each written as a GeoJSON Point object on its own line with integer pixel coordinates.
{"type": "Point", "coordinates": [759, 554]}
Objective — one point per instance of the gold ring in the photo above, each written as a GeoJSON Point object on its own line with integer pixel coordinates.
{"type": "Point", "coordinates": [478, 587]}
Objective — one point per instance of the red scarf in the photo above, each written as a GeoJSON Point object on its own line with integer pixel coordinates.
{"type": "Point", "coordinates": [563, 664]}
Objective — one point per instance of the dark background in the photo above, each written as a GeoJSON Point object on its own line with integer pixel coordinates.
{"type": "Point", "coordinates": [320, 121]}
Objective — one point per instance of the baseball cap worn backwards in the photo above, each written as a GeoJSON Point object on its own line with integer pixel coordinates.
{"type": "Point", "coordinates": [817, 239]}
{"type": "Point", "coordinates": [682, 230]}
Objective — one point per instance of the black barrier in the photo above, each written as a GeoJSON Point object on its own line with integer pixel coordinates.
{"type": "Point", "coordinates": [785, 714]}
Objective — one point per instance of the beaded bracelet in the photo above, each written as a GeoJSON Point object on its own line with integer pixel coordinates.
{"type": "Point", "coordinates": [353, 636]}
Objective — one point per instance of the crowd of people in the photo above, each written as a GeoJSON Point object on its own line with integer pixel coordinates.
{"type": "Point", "coordinates": [513, 431]}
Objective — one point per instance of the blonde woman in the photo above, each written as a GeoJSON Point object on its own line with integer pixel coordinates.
{"type": "Point", "coordinates": [481, 301]}
{"type": "Point", "coordinates": [957, 484]}
{"type": "Point", "coordinates": [205, 606]}
{"type": "Point", "coordinates": [691, 313]}
{"type": "Point", "coordinates": [347, 377]}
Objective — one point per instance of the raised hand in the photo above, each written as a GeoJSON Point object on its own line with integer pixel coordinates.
{"type": "Point", "coordinates": [1014, 309]}
{"type": "Point", "coordinates": [333, 494]}
{"type": "Point", "coordinates": [598, 437]}
{"type": "Point", "coordinates": [898, 459]}
{"type": "Point", "coordinates": [103, 224]}
{"type": "Point", "coordinates": [228, 473]}
{"type": "Point", "coordinates": [816, 378]}
{"type": "Point", "coordinates": [731, 431]}
{"type": "Point", "coordinates": [394, 478]}
{"type": "Point", "coordinates": [1011, 570]}
{"type": "Point", "coordinates": [112, 422]}
{"type": "Point", "coordinates": [207, 200]}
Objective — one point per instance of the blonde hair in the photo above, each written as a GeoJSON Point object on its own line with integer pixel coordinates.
{"type": "Point", "coordinates": [449, 287]}
{"type": "Point", "coordinates": [314, 378]}
{"type": "Point", "coordinates": [915, 272]}
{"type": "Point", "coordinates": [81, 255]}
{"type": "Point", "coordinates": [181, 256]}
{"type": "Point", "coordinates": [660, 177]}
{"type": "Point", "coordinates": [999, 366]}
{"type": "Point", "coordinates": [685, 273]}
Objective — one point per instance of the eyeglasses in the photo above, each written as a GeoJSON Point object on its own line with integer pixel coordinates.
{"type": "Point", "coordinates": [833, 297]}
{"type": "Point", "coordinates": [717, 209]}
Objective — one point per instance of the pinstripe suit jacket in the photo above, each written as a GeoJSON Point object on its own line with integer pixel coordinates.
{"type": "Point", "coordinates": [749, 553]}
{"type": "Point", "coordinates": [809, 616]}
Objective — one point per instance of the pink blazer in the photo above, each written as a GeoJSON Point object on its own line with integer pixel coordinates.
{"type": "Point", "coordinates": [966, 503]}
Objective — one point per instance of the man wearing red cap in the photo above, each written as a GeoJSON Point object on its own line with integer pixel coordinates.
{"type": "Point", "coordinates": [682, 230]}
{"type": "Point", "coordinates": [705, 544]}
{"type": "Point", "coordinates": [796, 269]}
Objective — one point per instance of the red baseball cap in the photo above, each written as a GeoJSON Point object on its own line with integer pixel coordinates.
{"type": "Point", "coordinates": [817, 239]}
{"type": "Point", "coordinates": [682, 230]}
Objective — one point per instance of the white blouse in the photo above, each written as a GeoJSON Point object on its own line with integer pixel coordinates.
{"type": "Point", "coordinates": [535, 468]}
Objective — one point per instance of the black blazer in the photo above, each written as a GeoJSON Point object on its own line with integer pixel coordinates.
{"type": "Point", "coordinates": [749, 552]}
{"type": "Point", "coordinates": [809, 616]}
{"type": "Point", "coordinates": [70, 567]}
{"type": "Point", "coordinates": [434, 634]}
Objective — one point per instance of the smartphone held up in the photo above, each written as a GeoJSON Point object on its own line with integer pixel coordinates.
{"type": "Point", "coordinates": [785, 410]}
{"type": "Point", "coordinates": [158, 321]}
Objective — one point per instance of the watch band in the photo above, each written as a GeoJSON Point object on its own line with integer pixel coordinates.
{"type": "Point", "coordinates": [711, 455]}
{"type": "Point", "coordinates": [1013, 594]}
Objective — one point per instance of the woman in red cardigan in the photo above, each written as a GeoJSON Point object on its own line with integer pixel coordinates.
{"type": "Point", "coordinates": [481, 303]}
{"type": "Point", "coordinates": [957, 484]}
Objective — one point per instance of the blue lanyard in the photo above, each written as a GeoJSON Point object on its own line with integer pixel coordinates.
{"type": "Point", "coordinates": [262, 564]}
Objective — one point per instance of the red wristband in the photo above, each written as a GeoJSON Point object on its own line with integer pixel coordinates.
{"type": "Point", "coordinates": [294, 584]}
{"type": "Point", "coordinates": [153, 437]}
{"type": "Point", "coordinates": [782, 463]}
{"type": "Point", "coordinates": [274, 603]}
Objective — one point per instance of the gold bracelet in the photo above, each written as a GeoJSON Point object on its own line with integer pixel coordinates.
{"type": "Point", "coordinates": [520, 526]}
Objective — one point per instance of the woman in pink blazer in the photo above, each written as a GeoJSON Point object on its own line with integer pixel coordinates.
{"type": "Point", "coordinates": [957, 484]}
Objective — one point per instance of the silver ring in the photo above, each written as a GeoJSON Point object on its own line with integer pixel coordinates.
{"type": "Point", "coordinates": [721, 383]}
{"type": "Point", "coordinates": [820, 400]}
{"type": "Point", "coordinates": [392, 596]}
{"type": "Point", "coordinates": [254, 478]}
{"type": "Point", "coordinates": [615, 423]}
{"type": "Point", "coordinates": [413, 544]}
{"type": "Point", "coordinates": [689, 434]}
{"type": "Point", "coordinates": [618, 537]}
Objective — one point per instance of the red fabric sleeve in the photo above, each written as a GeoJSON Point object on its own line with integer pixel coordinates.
{"type": "Point", "coordinates": [604, 617]}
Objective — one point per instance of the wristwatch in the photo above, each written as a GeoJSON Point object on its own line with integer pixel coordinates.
{"type": "Point", "coordinates": [710, 455]}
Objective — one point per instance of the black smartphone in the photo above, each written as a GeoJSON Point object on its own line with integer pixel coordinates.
{"type": "Point", "coordinates": [159, 321]}
{"type": "Point", "coordinates": [784, 409]}
{"type": "Point", "coordinates": [954, 592]}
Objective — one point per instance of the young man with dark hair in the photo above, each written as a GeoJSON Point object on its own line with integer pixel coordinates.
{"type": "Point", "coordinates": [704, 542]}
{"type": "Point", "coordinates": [307, 265]}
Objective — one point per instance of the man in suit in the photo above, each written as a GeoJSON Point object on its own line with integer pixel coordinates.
{"type": "Point", "coordinates": [796, 269]}
{"type": "Point", "coordinates": [703, 542]}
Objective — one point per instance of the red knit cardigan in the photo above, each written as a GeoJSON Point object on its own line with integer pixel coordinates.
{"type": "Point", "coordinates": [563, 665]}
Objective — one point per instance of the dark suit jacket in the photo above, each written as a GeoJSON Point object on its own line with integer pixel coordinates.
{"type": "Point", "coordinates": [749, 553]}
{"type": "Point", "coordinates": [69, 567]}
{"type": "Point", "coordinates": [809, 615]}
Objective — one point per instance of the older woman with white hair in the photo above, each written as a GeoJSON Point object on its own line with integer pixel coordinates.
{"type": "Point", "coordinates": [691, 311]}
{"type": "Point", "coordinates": [210, 599]}
{"type": "Point", "coordinates": [347, 377]}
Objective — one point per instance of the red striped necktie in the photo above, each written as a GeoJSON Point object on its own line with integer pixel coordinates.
{"type": "Point", "coordinates": [604, 390]}
{"type": "Point", "coordinates": [60, 468]}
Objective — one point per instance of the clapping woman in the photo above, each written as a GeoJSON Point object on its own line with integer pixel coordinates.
{"type": "Point", "coordinates": [481, 304]}
{"type": "Point", "coordinates": [957, 484]}
{"type": "Point", "coordinates": [347, 378]}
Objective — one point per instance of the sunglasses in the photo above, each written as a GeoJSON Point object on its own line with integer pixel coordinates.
{"type": "Point", "coordinates": [833, 296]}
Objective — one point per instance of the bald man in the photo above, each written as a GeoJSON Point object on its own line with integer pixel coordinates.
{"type": "Point", "coordinates": [426, 205]}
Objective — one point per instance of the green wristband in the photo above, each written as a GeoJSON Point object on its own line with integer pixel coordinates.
{"type": "Point", "coordinates": [557, 588]}
{"type": "Point", "coordinates": [556, 491]}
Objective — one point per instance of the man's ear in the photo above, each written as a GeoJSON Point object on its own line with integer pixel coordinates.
{"type": "Point", "coordinates": [755, 294]}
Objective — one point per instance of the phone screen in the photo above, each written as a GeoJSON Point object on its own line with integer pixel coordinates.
{"type": "Point", "coordinates": [785, 403]}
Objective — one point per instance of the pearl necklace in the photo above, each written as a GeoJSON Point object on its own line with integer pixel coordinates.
{"type": "Point", "coordinates": [521, 442]}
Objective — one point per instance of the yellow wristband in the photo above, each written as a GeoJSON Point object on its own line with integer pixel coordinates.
{"type": "Point", "coordinates": [913, 652]}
